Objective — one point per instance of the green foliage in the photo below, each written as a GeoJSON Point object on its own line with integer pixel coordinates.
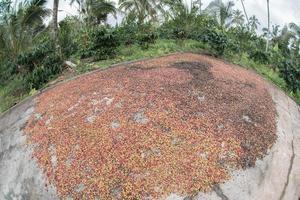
{"type": "Point", "coordinates": [244, 39]}
{"type": "Point", "coordinates": [66, 35]}
{"type": "Point", "coordinates": [7, 72]}
{"type": "Point", "coordinates": [30, 59]}
{"type": "Point", "coordinates": [49, 68]}
{"type": "Point", "coordinates": [146, 35]}
{"type": "Point", "coordinates": [20, 23]}
{"type": "Point", "coordinates": [13, 91]}
{"type": "Point", "coordinates": [39, 65]}
{"type": "Point", "coordinates": [186, 26]}
{"type": "Point", "coordinates": [98, 42]}
{"type": "Point", "coordinates": [217, 40]}
{"type": "Point", "coordinates": [291, 75]}
{"type": "Point", "coordinates": [95, 12]}
{"type": "Point", "coordinates": [135, 51]}
{"type": "Point", "coordinates": [145, 39]}
{"type": "Point", "coordinates": [127, 33]}
{"type": "Point", "coordinates": [260, 56]}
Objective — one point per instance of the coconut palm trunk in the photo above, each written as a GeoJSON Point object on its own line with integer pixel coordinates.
{"type": "Point", "coordinates": [246, 15]}
{"type": "Point", "coordinates": [268, 35]}
{"type": "Point", "coordinates": [54, 21]}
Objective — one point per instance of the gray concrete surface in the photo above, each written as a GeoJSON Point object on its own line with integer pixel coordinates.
{"type": "Point", "coordinates": [276, 177]}
{"type": "Point", "coordinates": [20, 176]}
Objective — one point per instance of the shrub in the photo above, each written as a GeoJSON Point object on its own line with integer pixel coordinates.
{"type": "Point", "coordinates": [100, 43]}
{"type": "Point", "coordinates": [217, 40]}
{"type": "Point", "coordinates": [12, 92]}
{"type": "Point", "coordinates": [66, 37]}
{"type": "Point", "coordinates": [145, 39]}
{"type": "Point", "coordinates": [186, 26]}
{"type": "Point", "coordinates": [30, 59]}
{"type": "Point", "coordinates": [130, 33]}
{"type": "Point", "coordinates": [291, 75]}
{"type": "Point", "coordinates": [127, 33]}
{"type": "Point", "coordinates": [50, 66]}
{"type": "Point", "coordinates": [260, 56]}
{"type": "Point", "coordinates": [174, 30]}
{"type": "Point", "coordinates": [8, 70]}
{"type": "Point", "coordinates": [146, 35]}
{"type": "Point", "coordinates": [40, 64]}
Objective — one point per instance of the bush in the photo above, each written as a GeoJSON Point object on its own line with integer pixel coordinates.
{"type": "Point", "coordinates": [127, 33]}
{"type": "Point", "coordinates": [40, 64]}
{"type": "Point", "coordinates": [131, 33]}
{"type": "Point", "coordinates": [174, 30]}
{"type": "Point", "coordinates": [31, 59]}
{"type": "Point", "coordinates": [260, 57]}
{"type": "Point", "coordinates": [67, 32]}
{"type": "Point", "coordinates": [13, 91]}
{"type": "Point", "coordinates": [49, 68]}
{"type": "Point", "coordinates": [146, 35]}
{"type": "Point", "coordinates": [244, 38]}
{"type": "Point", "coordinates": [145, 39]}
{"type": "Point", "coordinates": [217, 40]}
{"type": "Point", "coordinates": [291, 75]}
{"type": "Point", "coordinates": [8, 70]}
{"type": "Point", "coordinates": [100, 43]}
{"type": "Point", "coordinates": [186, 26]}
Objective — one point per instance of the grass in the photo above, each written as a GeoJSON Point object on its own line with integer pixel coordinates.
{"type": "Point", "coordinates": [134, 52]}
{"type": "Point", "coordinates": [12, 93]}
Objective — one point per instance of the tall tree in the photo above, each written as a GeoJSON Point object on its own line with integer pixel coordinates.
{"type": "Point", "coordinates": [271, 34]}
{"type": "Point", "coordinates": [253, 23]}
{"type": "Point", "coordinates": [179, 9]}
{"type": "Point", "coordinates": [143, 9]}
{"type": "Point", "coordinates": [268, 36]}
{"type": "Point", "coordinates": [54, 20]}
{"type": "Point", "coordinates": [95, 11]}
{"type": "Point", "coordinates": [295, 30]}
{"type": "Point", "coordinates": [20, 25]}
{"type": "Point", "coordinates": [237, 18]}
{"type": "Point", "coordinates": [222, 11]}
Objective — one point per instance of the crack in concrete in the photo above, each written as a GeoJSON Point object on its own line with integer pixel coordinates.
{"type": "Point", "coordinates": [289, 172]}
{"type": "Point", "coordinates": [219, 192]}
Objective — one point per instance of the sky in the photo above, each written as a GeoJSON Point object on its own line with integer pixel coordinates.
{"type": "Point", "coordinates": [282, 11]}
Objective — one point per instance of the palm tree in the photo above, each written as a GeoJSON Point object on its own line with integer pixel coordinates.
{"type": "Point", "coordinates": [178, 9]}
{"type": "Point", "coordinates": [142, 9]}
{"type": "Point", "coordinates": [295, 30]}
{"type": "Point", "coordinates": [20, 25]}
{"type": "Point", "coordinates": [238, 18]}
{"type": "Point", "coordinates": [253, 23]}
{"type": "Point", "coordinates": [95, 11]}
{"type": "Point", "coordinates": [271, 34]}
{"type": "Point", "coordinates": [268, 8]}
{"type": "Point", "coordinates": [222, 12]}
{"type": "Point", "coordinates": [283, 40]}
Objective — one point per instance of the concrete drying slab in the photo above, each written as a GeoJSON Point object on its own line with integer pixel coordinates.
{"type": "Point", "coordinates": [20, 176]}
{"type": "Point", "coordinates": [277, 176]}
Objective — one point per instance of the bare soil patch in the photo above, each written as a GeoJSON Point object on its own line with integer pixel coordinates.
{"type": "Point", "coordinates": [176, 124]}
